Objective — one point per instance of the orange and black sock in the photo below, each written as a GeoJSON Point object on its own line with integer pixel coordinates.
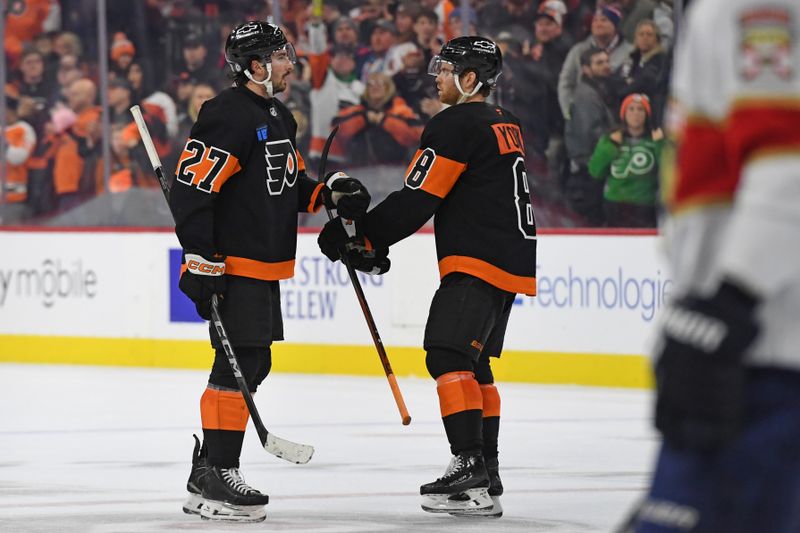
{"type": "Point", "coordinates": [224, 415]}
{"type": "Point", "coordinates": [461, 406]}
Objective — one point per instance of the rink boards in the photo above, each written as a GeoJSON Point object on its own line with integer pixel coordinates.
{"type": "Point", "coordinates": [111, 298]}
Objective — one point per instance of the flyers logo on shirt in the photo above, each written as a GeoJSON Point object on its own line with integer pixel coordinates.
{"type": "Point", "coordinates": [766, 43]}
{"type": "Point", "coordinates": [282, 166]}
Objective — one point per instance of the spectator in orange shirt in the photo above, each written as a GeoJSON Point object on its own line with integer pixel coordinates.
{"type": "Point", "coordinates": [382, 128]}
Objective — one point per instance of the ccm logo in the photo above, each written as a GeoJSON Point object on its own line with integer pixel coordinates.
{"type": "Point", "coordinates": [197, 265]}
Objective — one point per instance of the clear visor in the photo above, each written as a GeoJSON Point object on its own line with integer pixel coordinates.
{"type": "Point", "coordinates": [284, 53]}
{"type": "Point", "coordinates": [436, 64]}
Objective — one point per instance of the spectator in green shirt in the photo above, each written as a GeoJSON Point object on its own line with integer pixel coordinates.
{"type": "Point", "coordinates": [627, 160]}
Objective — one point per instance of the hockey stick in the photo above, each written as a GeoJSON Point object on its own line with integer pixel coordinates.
{"type": "Point", "coordinates": [287, 450]}
{"type": "Point", "coordinates": [362, 301]}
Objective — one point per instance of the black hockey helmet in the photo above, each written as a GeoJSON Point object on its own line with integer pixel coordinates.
{"type": "Point", "coordinates": [255, 39]}
{"type": "Point", "coordinates": [470, 53]}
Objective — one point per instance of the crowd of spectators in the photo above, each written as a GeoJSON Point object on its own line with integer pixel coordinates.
{"type": "Point", "coordinates": [587, 79]}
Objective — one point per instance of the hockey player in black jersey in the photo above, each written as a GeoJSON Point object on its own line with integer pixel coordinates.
{"type": "Point", "coordinates": [239, 185]}
{"type": "Point", "coordinates": [469, 173]}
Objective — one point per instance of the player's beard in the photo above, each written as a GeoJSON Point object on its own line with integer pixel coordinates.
{"type": "Point", "coordinates": [448, 93]}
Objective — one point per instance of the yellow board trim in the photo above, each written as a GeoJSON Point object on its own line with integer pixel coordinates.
{"type": "Point", "coordinates": [602, 370]}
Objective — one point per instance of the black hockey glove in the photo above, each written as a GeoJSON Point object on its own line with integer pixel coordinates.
{"type": "Point", "coordinates": [371, 261]}
{"type": "Point", "coordinates": [201, 280]}
{"type": "Point", "coordinates": [333, 238]}
{"type": "Point", "coordinates": [700, 376]}
{"type": "Point", "coordinates": [334, 241]}
{"type": "Point", "coordinates": [345, 194]}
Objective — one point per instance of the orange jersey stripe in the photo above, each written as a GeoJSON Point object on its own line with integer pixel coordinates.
{"type": "Point", "coordinates": [488, 273]}
{"type": "Point", "coordinates": [436, 177]}
{"type": "Point", "coordinates": [491, 400]}
{"type": "Point", "coordinates": [251, 268]}
{"type": "Point", "coordinates": [208, 167]}
{"type": "Point", "coordinates": [458, 391]}
{"type": "Point", "coordinates": [315, 202]}
{"type": "Point", "coordinates": [223, 410]}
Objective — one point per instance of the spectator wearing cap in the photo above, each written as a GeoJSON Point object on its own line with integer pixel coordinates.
{"type": "Point", "coordinates": [633, 12]}
{"type": "Point", "coordinates": [592, 116]}
{"type": "Point", "coordinates": [196, 61]}
{"type": "Point", "coordinates": [415, 85]}
{"type": "Point", "coordinates": [382, 128]}
{"type": "Point", "coordinates": [20, 143]}
{"type": "Point", "coordinates": [122, 52]}
{"type": "Point", "coordinates": [334, 85]}
{"type": "Point", "coordinates": [381, 41]}
{"type": "Point", "coordinates": [626, 161]}
{"type": "Point", "coordinates": [604, 35]}
{"type": "Point", "coordinates": [645, 69]}
{"type": "Point", "coordinates": [544, 60]}
{"type": "Point", "coordinates": [523, 91]}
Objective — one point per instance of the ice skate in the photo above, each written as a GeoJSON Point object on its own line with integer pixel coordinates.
{"type": "Point", "coordinates": [227, 497]}
{"type": "Point", "coordinates": [495, 491]}
{"type": "Point", "coordinates": [199, 467]}
{"type": "Point", "coordinates": [464, 487]}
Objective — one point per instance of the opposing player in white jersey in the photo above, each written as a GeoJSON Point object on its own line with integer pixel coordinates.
{"type": "Point", "coordinates": [728, 354]}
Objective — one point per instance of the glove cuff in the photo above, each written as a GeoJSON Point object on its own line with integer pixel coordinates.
{"type": "Point", "coordinates": [332, 177]}
{"type": "Point", "coordinates": [199, 265]}
{"type": "Point", "coordinates": [730, 292]}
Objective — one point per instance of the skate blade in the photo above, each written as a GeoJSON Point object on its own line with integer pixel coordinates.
{"type": "Point", "coordinates": [495, 511]}
{"type": "Point", "coordinates": [221, 511]}
{"type": "Point", "coordinates": [466, 502]}
{"type": "Point", "coordinates": [193, 504]}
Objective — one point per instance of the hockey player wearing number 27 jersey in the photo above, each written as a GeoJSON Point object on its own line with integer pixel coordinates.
{"type": "Point", "coordinates": [239, 185]}
{"type": "Point", "coordinates": [728, 351]}
{"type": "Point", "coordinates": [469, 173]}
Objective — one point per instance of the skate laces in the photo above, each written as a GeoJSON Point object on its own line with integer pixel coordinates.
{"type": "Point", "coordinates": [234, 478]}
{"type": "Point", "coordinates": [456, 463]}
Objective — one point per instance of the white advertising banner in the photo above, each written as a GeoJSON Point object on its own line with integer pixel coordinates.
{"type": "Point", "coordinates": [596, 294]}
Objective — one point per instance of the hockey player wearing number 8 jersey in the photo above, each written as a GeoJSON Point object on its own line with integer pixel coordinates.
{"type": "Point", "coordinates": [469, 173]}
{"type": "Point", "coordinates": [239, 185]}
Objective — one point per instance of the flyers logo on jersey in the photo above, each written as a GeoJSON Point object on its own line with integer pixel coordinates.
{"type": "Point", "coordinates": [282, 166]}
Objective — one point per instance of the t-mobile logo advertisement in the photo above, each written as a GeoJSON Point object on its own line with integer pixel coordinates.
{"type": "Point", "coordinates": [51, 282]}
{"type": "Point", "coordinates": [181, 308]}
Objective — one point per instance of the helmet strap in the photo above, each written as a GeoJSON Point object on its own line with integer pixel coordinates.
{"type": "Point", "coordinates": [464, 96]}
{"type": "Point", "coordinates": [266, 82]}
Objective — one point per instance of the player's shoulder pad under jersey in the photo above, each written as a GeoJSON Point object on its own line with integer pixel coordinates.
{"type": "Point", "coordinates": [449, 133]}
{"type": "Point", "coordinates": [225, 123]}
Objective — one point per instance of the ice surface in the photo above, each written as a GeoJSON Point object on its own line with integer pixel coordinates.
{"type": "Point", "coordinates": [107, 450]}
